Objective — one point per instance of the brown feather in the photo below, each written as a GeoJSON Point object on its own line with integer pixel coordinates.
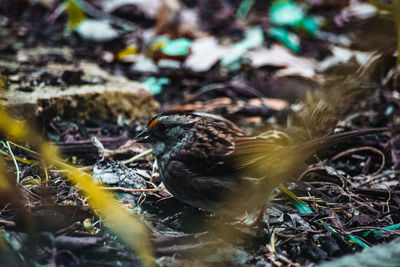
{"type": "Point", "coordinates": [250, 151]}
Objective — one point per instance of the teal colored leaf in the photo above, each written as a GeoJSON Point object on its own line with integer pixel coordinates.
{"type": "Point", "coordinates": [377, 232]}
{"type": "Point", "coordinates": [254, 38]}
{"type": "Point", "coordinates": [285, 13]}
{"type": "Point", "coordinates": [154, 85]}
{"type": "Point", "coordinates": [244, 8]}
{"type": "Point", "coordinates": [290, 40]}
{"type": "Point", "coordinates": [352, 238]}
{"type": "Point", "coordinates": [310, 25]}
{"type": "Point", "coordinates": [177, 47]}
{"type": "Point", "coordinates": [357, 241]}
{"type": "Point", "coordinates": [303, 208]}
{"type": "Point", "coordinates": [298, 203]}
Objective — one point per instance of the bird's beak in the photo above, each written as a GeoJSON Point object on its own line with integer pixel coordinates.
{"type": "Point", "coordinates": [143, 137]}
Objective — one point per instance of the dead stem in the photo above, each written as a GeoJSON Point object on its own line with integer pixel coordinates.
{"type": "Point", "coordinates": [138, 156]}
{"type": "Point", "coordinates": [131, 189]}
{"type": "Point", "coordinates": [366, 228]}
{"type": "Point", "coordinates": [363, 148]}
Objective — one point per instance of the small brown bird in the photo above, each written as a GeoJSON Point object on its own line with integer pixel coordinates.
{"type": "Point", "coordinates": [206, 161]}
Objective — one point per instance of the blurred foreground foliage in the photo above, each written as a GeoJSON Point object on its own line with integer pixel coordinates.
{"type": "Point", "coordinates": [113, 215]}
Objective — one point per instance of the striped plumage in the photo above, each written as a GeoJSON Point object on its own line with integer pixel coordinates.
{"type": "Point", "coordinates": [206, 161]}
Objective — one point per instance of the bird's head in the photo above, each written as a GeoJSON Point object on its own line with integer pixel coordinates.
{"type": "Point", "coordinates": [167, 131]}
{"type": "Point", "coordinates": [170, 130]}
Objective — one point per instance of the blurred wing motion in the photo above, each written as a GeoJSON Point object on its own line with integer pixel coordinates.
{"type": "Point", "coordinates": [264, 158]}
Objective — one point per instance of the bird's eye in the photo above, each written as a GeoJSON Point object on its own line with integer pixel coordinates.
{"type": "Point", "coordinates": [161, 127]}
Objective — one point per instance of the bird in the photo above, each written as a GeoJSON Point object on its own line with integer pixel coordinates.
{"type": "Point", "coordinates": [207, 162]}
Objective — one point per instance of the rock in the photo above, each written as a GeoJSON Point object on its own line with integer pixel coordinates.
{"type": "Point", "coordinates": [387, 255]}
{"type": "Point", "coordinates": [78, 90]}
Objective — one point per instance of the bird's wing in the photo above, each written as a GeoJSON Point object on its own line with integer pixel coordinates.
{"type": "Point", "coordinates": [258, 156]}
{"type": "Point", "coordinates": [230, 152]}
{"type": "Point", "coordinates": [266, 156]}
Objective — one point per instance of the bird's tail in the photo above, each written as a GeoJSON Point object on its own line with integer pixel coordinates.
{"type": "Point", "coordinates": [337, 138]}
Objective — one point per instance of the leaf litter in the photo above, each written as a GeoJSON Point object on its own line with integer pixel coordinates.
{"type": "Point", "coordinates": [348, 199]}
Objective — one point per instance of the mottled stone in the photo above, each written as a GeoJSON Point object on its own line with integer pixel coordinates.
{"type": "Point", "coordinates": [96, 94]}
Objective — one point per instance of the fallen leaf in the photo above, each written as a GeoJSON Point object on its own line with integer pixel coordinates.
{"type": "Point", "coordinates": [205, 53]}
{"type": "Point", "coordinates": [278, 56]}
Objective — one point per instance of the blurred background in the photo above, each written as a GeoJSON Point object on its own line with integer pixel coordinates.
{"type": "Point", "coordinates": [87, 75]}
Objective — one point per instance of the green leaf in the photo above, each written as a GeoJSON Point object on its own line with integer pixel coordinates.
{"type": "Point", "coordinates": [298, 203]}
{"type": "Point", "coordinates": [155, 84]}
{"type": "Point", "coordinates": [284, 12]}
{"type": "Point", "coordinates": [310, 25]}
{"type": "Point", "coordinates": [303, 208]}
{"type": "Point", "coordinates": [377, 232]}
{"type": "Point", "coordinates": [290, 40]}
{"type": "Point", "coordinates": [352, 238]}
{"type": "Point", "coordinates": [254, 38]}
{"type": "Point", "coordinates": [244, 8]}
{"type": "Point", "coordinates": [357, 241]}
{"type": "Point", "coordinates": [177, 47]}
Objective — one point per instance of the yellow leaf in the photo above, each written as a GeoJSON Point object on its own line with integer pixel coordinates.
{"type": "Point", "coordinates": [12, 127]}
{"type": "Point", "coordinates": [3, 244]}
{"type": "Point", "coordinates": [115, 217]}
{"type": "Point", "coordinates": [381, 5]}
{"type": "Point", "coordinates": [75, 13]}
{"type": "Point", "coordinates": [157, 45]}
{"type": "Point", "coordinates": [4, 183]}
{"type": "Point", "coordinates": [130, 50]}
{"type": "Point", "coordinates": [2, 84]}
{"type": "Point", "coordinates": [26, 161]}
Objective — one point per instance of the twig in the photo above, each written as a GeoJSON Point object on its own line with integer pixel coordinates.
{"type": "Point", "coordinates": [318, 168]}
{"type": "Point", "coordinates": [354, 116]}
{"type": "Point", "coordinates": [26, 161]}
{"type": "Point", "coordinates": [366, 228]}
{"type": "Point", "coordinates": [272, 249]}
{"type": "Point", "coordinates": [36, 154]}
{"type": "Point", "coordinates": [96, 142]}
{"type": "Point", "coordinates": [86, 168]}
{"type": "Point", "coordinates": [387, 204]}
{"type": "Point", "coordinates": [24, 148]}
{"type": "Point", "coordinates": [7, 222]}
{"type": "Point", "coordinates": [131, 189]}
{"type": "Point", "coordinates": [7, 145]}
{"type": "Point", "coordinates": [138, 156]}
{"type": "Point", "coordinates": [30, 192]}
{"type": "Point", "coordinates": [289, 237]}
{"type": "Point", "coordinates": [363, 148]}
{"type": "Point", "coordinates": [350, 195]}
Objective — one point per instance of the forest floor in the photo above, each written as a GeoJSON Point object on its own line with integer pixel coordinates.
{"type": "Point", "coordinates": [88, 75]}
